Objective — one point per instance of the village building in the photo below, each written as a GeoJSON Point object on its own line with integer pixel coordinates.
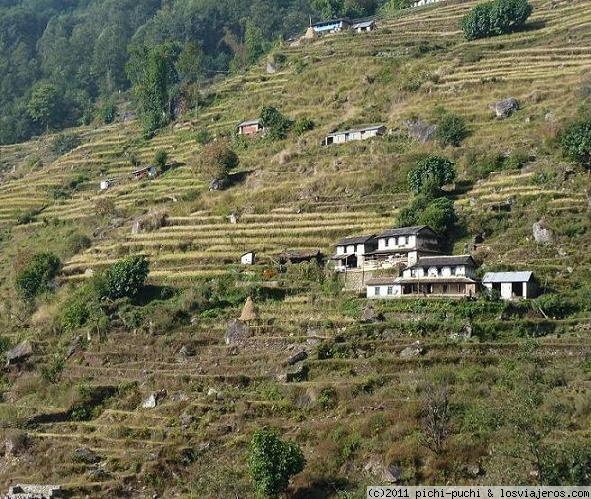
{"type": "Point", "coordinates": [363, 133]}
{"type": "Point", "coordinates": [296, 257]}
{"type": "Point", "coordinates": [421, 3]}
{"type": "Point", "coordinates": [364, 26]}
{"type": "Point", "coordinates": [148, 171]}
{"type": "Point", "coordinates": [432, 276]}
{"type": "Point", "coordinates": [331, 26]}
{"type": "Point", "coordinates": [251, 127]}
{"type": "Point", "coordinates": [107, 184]}
{"type": "Point", "coordinates": [511, 285]}
{"type": "Point", "coordinates": [392, 248]}
{"type": "Point", "coordinates": [248, 258]}
{"type": "Point", "coordinates": [350, 252]}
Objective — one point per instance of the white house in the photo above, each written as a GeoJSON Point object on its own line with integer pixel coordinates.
{"type": "Point", "coordinates": [420, 3]}
{"type": "Point", "coordinates": [331, 26]}
{"type": "Point", "coordinates": [248, 258]}
{"type": "Point", "coordinates": [106, 184]}
{"type": "Point", "coordinates": [435, 276]}
{"type": "Point", "coordinates": [350, 252]}
{"type": "Point", "coordinates": [363, 133]}
{"type": "Point", "coordinates": [511, 285]}
{"type": "Point", "coordinates": [403, 245]}
{"type": "Point", "coordinates": [364, 26]}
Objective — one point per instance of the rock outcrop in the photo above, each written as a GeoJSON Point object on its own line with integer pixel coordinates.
{"type": "Point", "coordinates": [505, 107]}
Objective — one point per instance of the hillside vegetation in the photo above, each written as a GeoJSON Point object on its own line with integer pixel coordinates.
{"type": "Point", "coordinates": [514, 378]}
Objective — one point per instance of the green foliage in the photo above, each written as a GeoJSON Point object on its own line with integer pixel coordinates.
{"type": "Point", "coordinates": [496, 18]}
{"type": "Point", "coordinates": [216, 160]}
{"type": "Point", "coordinates": [555, 305]}
{"type": "Point", "coordinates": [451, 130]}
{"type": "Point", "coordinates": [64, 143]}
{"type": "Point", "coordinates": [568, 464]}
{"type": "Point", "coordinates": [576, 141]}
{"type": "Point", "coordinates": [432, 172]}
{"type": "Point", "coordinates": [440, 215]}
{"type": "Point", "coordinates": [327, 398]}
{"type": "Point", "coordinates": [276, 124]}
{"type": "Point", "coordinates": [107, 111]}
{"type": "Point", "coordinates": [52, 371]}
{"type": "Point", "coordinates": [44, 104]}
{"type": "Point", "coordinates": [160, 159]}
{"type": "Point", "coordinates": [393, 6]}
{"type": "Point", "coordinates": [126, 277]}
{"type": "Point", "coordinates": [272, 462]}
{"type": "Point", "coordinates": [37, 276]}
{"type": "Point", "coordinates": [303, 125]}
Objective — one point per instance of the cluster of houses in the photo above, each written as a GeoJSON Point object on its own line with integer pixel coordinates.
{"type": "Point", "coordinates": [413, 255]}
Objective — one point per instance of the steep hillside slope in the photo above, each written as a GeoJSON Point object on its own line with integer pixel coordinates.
{"type": "Point", "coordinates": [356, 406]}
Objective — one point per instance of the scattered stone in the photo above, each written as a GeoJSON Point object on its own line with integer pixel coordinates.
{"type": "Point", "coordinates": [505, 108]}
{"type": "Point", "coordinates": [19, 353]}
{"type": "Point", "coordinates": [186, 420]}
{"type": "Point", "coordinates": [549, 117]}
{"type": "Point", "coordinates": [385, 474]}
{"type": "Point", "coordinates": [233, 218]}
{"type": "Point", "coordinates": [185, 353]}
{"type": "Point", "coordinates": [236, 332]}
{"type": "Point", "coordinates": [154, 399]}
{"type": "Point", "coordinates": [74, 346]}
{"type": "Point", "coordinates": [473, 470]}
{"type": "Point", "coordinates": [216, 184]}
{"type": "Point", "coordinates": [271, 67]}
{"type": "Point", "coordinates": [298, 357]}
{"type": "Point", "coordinates": [149, 222]}
{"type": "Point", "coordinates": [412, 351]}
{"type": "Point", "coordinates": [99, 475]}
{"type": "Point", "coordinates": [541, 233]}
{"type": "Point", "coordinates": [86, 456]}
{"type": "Point", "coordinates": [21, 491]}
{"type": "Point", "coordinates": [213, 393]}
{"type": "Point", "coordinates": [420, 130]}
{"type": "Point", "coordinates": [562, 252]}
{"type": "Point", "coordinates": [299, 373]}
{"type": "Point", "coordinates": [370, 315]}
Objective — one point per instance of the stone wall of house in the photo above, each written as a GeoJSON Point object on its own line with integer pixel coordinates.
{"type": "Point", "coordinates": [34, 492]}
{"type": "Point", "coordinates": [354, 280]}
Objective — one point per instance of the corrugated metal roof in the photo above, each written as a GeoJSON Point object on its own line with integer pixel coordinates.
{"type": "Point", "coordinates": [251, 122]}
{"type": "Point", "coordinates": [354, 130]}
{"type": "Point", "coordinates": [355, 240]}
{"type": "Point", "coordinates": [495, 277]}
{"type": "Point", "coordinates": [365, 24]}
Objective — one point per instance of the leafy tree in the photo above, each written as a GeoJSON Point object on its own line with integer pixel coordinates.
{"type": "Point", "coordinates": [272, 462]}
{"type": "Point", "coordinates": [440, 215]}
{"type": "Point", "coordinates": [495, 18]}
{"type": "Point", "coordinates": [190, 62]}
{"type": "Point", "coordinates": [37, 276]}
{"type": "Point", "coordinates": [254, 41]}
{"type": "Point", "coordinates": [409, 215]}
{"type": "Point", "coordinates": [431, 173]}
{"type": "Point", "coordinates": [395, 5]}
{"type": "Point", "coordinates": [576, 142]}
{"type": "Point", "coordinates": [276, 124]}
{"type": "Point", "coordinates": [44, 104]}
{"type": "Point", "coordinates": [160, 159]}
{"type": "Point", "coordinates": [451, 130]}
{"type": "Point", "coordinates": [217, 160]}
{"type": "Point", "coordinates": [126, 278]}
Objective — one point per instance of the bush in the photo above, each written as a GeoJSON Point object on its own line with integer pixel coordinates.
{"type": "Point", "coordinates": [217, 160]}
{"type": "Point", "coordinates": [440, 215]}
{"type": "Point", "coordinates": [272, 462]}
{"type": "Point", "coordinates": [64, 143]}
{"type": "Point", "coordinates": [104, 207]}
{"type": "Point", "coordinates": [430, 174]}
{"type": "Point", "coordinates": [576, 142]}
{"type": "Point", "coordinates": [495, 18]}
{"type": "Point", "coordinates": [202, 136]}
{"type": "Point", "coordinates": [37, 276]}
{"type": "Point", "coordinates": [555, 306]}
{"type": "Point", "coordinates": [303, 125]}
{"type": "Point", "coordinates": [451, 130]}
{"type": "Point", "coordinates": [160, 159]}
{"type": "Point", "coordinates": [276, 125]}
{"type": "Point", "coordinates": [126, 278]}
{"type": "Point", "coordinates": [107, 112]}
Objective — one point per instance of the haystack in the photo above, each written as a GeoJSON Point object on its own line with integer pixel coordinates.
{"type": "Point", "coordinates": [249, 311]}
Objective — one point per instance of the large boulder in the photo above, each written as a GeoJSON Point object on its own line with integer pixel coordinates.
{"type": "Point", "coordinates": [154, 399]}
{"type": "Point", "coordinates": [542, 234]}
{"type": "Point", "coordinates": [86, 456]}
{"type": "Point", "coordinates": [19, 353]}
{"type": "Point", "coordinates": [385, 474]}
{"type": "Point", "coordinates": [236, 332]}
{"type": "Point", "coordinates": [420, 130]}
{"type": "Point", "coordinates": [505, 107]}
{"type": "Point", "coordinates": [370, 315]}
{"type": "Point", "coordinates": [298, 357]}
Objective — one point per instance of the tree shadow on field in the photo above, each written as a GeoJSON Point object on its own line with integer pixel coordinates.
{"type": "Point", "coordinates": [322, 489]}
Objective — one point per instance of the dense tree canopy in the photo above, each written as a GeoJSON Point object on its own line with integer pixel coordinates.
{"type": "Point", "coordinates": [62, 60]}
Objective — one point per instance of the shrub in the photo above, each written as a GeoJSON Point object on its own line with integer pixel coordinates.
{"type": "Point", "coordinates": [104, 207]}
{"type": "Point", "coordinates": [495, 18]}
{"type": "Point", "coordinates": [217, 160]}
{"type": "Point", "coordinates": [272, 462]}
{"type": "Point", "coordinates": [37, 276]}
{"type": "Point", "coordinates": [440, 215]}
{"type": "Point", "coordinates": [431, 173]}
{"type": "Point", "coordinates": [451, 130]}
{"type": "Point", "coordinates": [303, 125]}
{"type": "Point", "coordinates": [64, 143]}
{"type": "Point", "coordinates": [576, 142]}
{"type": "Point", "coordinates": [277, 125]}
{"type": "Point", "coordinates": [107, 112]}
{"type": "Point", "coordinates": [76, 242]}
{"type": "Point", "coordinates": [555, 306]}
{"type": "Point", "coordinates": [160, 159]}
{"type": "Point", "coordinates": [126, 278]}
{"type": "Point", "coordinates": [202, 136]}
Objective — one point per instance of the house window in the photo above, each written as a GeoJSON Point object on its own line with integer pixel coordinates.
{"type": "Point", "coordinates": [390, 290]}
{"type": "Point", "coordinates": [391, 242]}
{"type": "Point", "coordinates": [402, 241]}
{"type": "Point", "coordinates": [376, 291]}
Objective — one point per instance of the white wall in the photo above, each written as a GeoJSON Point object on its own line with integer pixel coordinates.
{"type": "Point", "coordinates": [380, 292]}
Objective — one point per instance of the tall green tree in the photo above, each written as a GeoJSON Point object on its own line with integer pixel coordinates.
{"type": "Point", "coordinates": [44, 104]}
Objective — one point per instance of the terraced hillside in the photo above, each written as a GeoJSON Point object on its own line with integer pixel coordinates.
{"type": "Point", "coordinates": [356, 404]}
